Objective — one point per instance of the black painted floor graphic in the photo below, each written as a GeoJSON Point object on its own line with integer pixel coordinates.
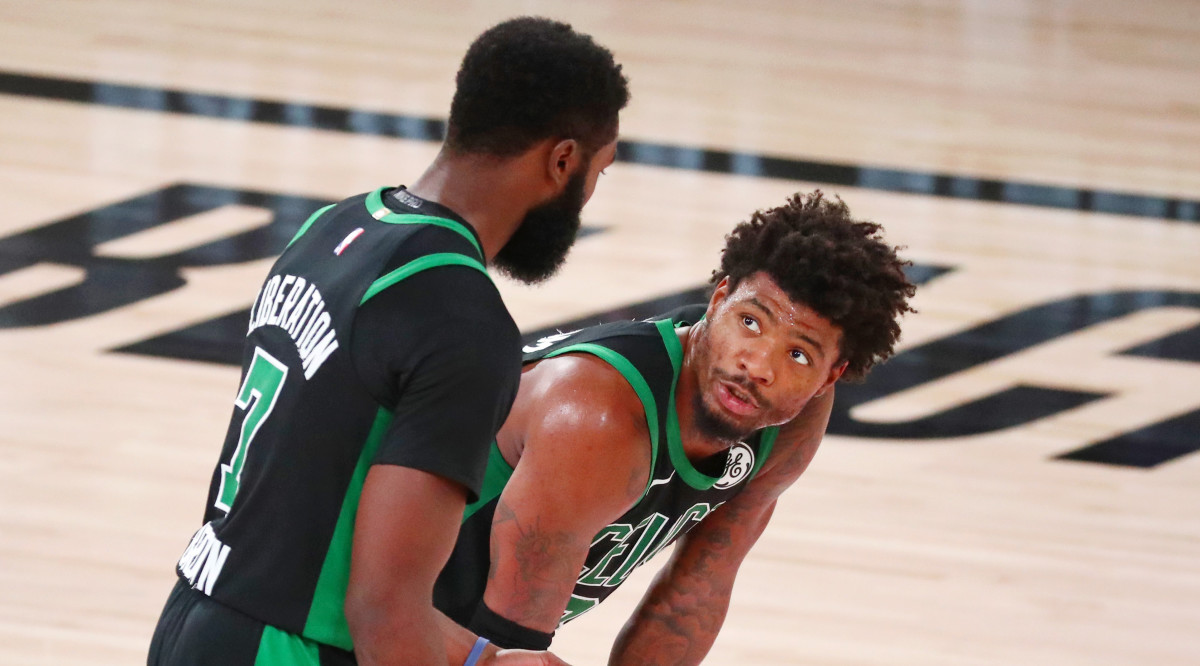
{"type": "Point", "coordinates": [1020, 405]}
{"type": "Point", "coordinates": [113, 282]}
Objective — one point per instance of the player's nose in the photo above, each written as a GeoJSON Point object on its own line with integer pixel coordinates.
{"type": "Point", "coordinates": [755, 361]}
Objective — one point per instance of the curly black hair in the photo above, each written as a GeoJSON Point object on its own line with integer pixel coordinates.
{"type": "Point", "coordinates": [529, 79]}
{"type": "Point", "coordinates": [838, 266]}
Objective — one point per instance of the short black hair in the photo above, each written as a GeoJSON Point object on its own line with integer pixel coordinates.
{"type": "Point", "coordinates": [529, 79]}
{"type": "Point", "coordinates": [836, 265]}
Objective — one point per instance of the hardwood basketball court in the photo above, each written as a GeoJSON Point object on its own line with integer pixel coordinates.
{"type": "Point", "coordinates": [1019, 486]}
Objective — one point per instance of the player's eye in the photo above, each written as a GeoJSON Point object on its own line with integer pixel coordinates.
{"type": "Point", "coordinates": [800, 357]}
{"type": "Point", "coordinates": [750, 323]}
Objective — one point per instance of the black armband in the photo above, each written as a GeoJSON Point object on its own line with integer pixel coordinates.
{"type": "Point", "coordinates": [505, 633]}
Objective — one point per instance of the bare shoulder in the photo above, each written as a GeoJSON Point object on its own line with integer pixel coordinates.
{"type": "Point", "coordinates": [585, 381]}
{"type": "Point", "coordinates": [578, 416]}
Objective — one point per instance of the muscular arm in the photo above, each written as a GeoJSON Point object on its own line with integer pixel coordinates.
{"type": "Point", "coordinates": [451, 384]}
{"type": "Point", "coordinates": [406, 526]}
{"type": "Point", "coordinates": [680, 615]}
{"type": "Point", "coordinates": [584, 462]}
{"type": "Point", "coordinates": [389, 605]}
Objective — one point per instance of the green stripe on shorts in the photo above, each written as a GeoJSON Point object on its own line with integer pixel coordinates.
{"type": "Point", "coordinates": [279, 648]}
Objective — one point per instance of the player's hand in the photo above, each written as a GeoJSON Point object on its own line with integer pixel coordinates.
{"type": "Point", "coordinates": [524, 658]}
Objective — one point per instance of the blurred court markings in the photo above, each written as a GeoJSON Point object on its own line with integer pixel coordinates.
{"type": "Point", "coordinates": [188, 232]}
{"type": "Point", "coordinates": [358, 121]}
{"type": "Point", "coordinates": [112, 282]}
{"type": "Point", "coordinates": [38, 279]}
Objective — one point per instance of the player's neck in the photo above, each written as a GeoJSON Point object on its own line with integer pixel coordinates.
{"type": "Point", "coordinates": [696, 444]}
{"type": "Point", "coordinates": [490, 193]}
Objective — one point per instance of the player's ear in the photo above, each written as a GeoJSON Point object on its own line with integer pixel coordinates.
{"type": "Point", "coordinates": [719, 294]}
{"type": "Point", "coordinates": [565, 157]}
{"type": "Point", "coordinates": [835, 373]}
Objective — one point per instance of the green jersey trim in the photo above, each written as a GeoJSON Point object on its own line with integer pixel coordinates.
{"type": "Point", "coordinates": [279, 648]}
{"type": "Point", "coordinates": [494, 479]}
{"type": "Point", "coordinates": [381, 212]}
{"type": "Point", "coordinates": [694, 477]}
{"type": "Point", "coordinates": [640, 387]}
{"type": "Point", "coordinates": [326, 621]}
{"type": "Point", "coordinates": [308, 223]}
{"type": "Point", "coordinates": [766, 441]}
{"type": "Point", "coordinates": [416, 266]}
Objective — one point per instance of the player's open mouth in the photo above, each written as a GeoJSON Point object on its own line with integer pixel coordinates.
{"type": "Point", "coordinates": [735, 400]}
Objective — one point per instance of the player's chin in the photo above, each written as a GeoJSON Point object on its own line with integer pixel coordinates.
{"type": "Point", "coordinates": [718, 422]}
{"type": "Point", "coordinates": [763, 416]}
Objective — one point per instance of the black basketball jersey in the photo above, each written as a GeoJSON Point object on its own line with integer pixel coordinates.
{"type": "Point", "coordinates": [678, 494]}
{"type": "Point", "coordinates": [306, 427]}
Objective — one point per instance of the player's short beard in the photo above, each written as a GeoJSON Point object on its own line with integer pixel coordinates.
{"type": "Point", "coordinates": [538, 248]}
{"type": "Point", "coordinates": [711, 425]}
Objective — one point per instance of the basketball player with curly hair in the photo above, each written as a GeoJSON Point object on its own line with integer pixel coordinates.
{"type": "Point", "coordinates": [630, 436]}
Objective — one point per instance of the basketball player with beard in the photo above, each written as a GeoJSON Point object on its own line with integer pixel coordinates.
{"type": "Point", "coordinates": [379, 363]}
{"type": "Point", "coordinates": [629, 436]}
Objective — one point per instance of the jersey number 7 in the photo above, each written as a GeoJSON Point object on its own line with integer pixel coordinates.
{"type": "Point", "coordinates": [257, 396]}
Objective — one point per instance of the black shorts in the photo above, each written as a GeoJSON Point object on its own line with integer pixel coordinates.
{"type": "Point", "coordinates": [194, 630]}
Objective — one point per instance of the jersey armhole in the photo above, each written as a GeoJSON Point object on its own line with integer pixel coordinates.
{"type": "Point", "coordinates": [636, 381]}
{"type": "Point", "coordinates": [495, 478]}
{"type": "Point", "coordinates": [418, 265]}
{"type": "Point", "coordinates": [397, 275]}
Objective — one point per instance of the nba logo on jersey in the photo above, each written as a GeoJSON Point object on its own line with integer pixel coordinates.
{"type": "Point", "coordinates": [347, 240]}
{"type": "Point", "coordinates": [737, 466]}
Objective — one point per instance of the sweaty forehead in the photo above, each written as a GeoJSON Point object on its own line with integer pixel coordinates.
{"type": "Point", "coordinates": [759, 292]}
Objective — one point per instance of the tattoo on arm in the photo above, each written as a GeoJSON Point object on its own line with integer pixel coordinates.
{"type": "Point", "coordinates": [683, 611]}
{"type": "Point", "coordinates": [680, 616]}
{"type": "Point", "coordinates": [540, 584]}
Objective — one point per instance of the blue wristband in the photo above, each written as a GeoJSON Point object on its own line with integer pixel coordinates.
{"type": "Point", "coordinates": [476, 651]}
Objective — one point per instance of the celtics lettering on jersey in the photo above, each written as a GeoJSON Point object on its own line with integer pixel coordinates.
{"type": "Point", "coordinates": [629, 546]}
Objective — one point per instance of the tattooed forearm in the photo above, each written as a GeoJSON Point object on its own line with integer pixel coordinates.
{"type": "Point", "coordinates": [716, 541]}
{"type": "Point", "coordinates": [682, 613]}
{"type": "Point", "coordinates": [677, 625]}
{"type": "Point", "coordinates": [541, 572]}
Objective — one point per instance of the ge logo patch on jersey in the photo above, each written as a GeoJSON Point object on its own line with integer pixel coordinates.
{"type": "Point", "coordinates": [737, 466]}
